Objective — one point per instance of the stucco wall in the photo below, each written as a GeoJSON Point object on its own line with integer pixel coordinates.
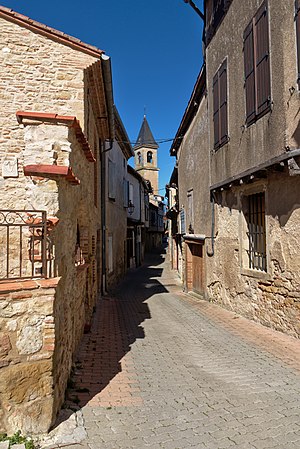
{"type": "Point", "coordinates": [116, 219]}
{"type": "Point", "coordinates": [269, 136]}
{"type": "Point", "coordinates": [193, 171]}
{"type": "Point", "coordinates": [271, 298]}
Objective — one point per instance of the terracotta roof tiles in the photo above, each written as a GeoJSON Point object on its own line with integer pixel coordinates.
{"type": "Point", "coordinates": [51, 33]}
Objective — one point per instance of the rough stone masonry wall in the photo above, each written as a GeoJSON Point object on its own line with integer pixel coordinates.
{"type": "Point", "coordinates": [38, 74]}
{"type": "Point", "coordinates": [73, 205]}
{"type": "Point", "coordinates": [271, 298]}
{"type": "Point", "coordinates": [26, 350]}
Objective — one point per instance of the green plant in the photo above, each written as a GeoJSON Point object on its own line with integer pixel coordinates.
{"type": "Point", "coordinates": [17, 438]}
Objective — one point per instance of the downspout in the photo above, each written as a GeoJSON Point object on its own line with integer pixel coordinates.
{"type": "Point", "coordinates": [212, 251]}
{"type": "Point", "coordinates": [108, 88]}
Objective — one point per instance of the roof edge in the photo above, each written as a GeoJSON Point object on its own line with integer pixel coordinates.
{"type": "Point", "coordinates": [51, 33]}
{"type": "Point", "coordinates": [191, 109]}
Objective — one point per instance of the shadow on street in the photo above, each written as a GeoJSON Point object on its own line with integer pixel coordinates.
{"type": "Point", "coordinates": [116, 326]}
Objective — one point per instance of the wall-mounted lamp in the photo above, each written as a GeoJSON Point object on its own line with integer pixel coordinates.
{"type": "Point", "coordinates": [130, 207]}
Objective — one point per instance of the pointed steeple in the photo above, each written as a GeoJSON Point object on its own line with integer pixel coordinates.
{"type": "Point", "coordinates": [145, 138]}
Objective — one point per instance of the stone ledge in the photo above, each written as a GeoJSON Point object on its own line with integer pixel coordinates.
{"type": "Point", "coordinates": [32, 284]}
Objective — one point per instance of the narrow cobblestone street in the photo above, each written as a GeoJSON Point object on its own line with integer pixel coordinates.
{"type": "Point", "coordinates": [164, 370]}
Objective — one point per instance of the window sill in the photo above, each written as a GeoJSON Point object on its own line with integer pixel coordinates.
{"type": "Point", "coordinates": [263, 275]}
{"type": "Point", "coordinates": [217, 148]}
{"type": "Point", "coordinates": [258, 117]}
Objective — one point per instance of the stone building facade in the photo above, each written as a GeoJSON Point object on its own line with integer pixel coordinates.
{"type": "Point", "coordinates": [246, 206]}
{"type": "Point", "coordinates": [53, 90]}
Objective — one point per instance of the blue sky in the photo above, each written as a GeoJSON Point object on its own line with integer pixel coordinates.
{"type": "Point", "coordinates": [156, 52]}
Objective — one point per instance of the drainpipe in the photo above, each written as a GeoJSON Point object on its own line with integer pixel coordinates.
{"type": "Point", "coordinates": [108, 88]}
{"type": "Point", "coordinates": [212, 252]}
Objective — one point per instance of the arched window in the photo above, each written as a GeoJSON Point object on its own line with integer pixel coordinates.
{"type": "Point", "coordinates": [139, 158]}
{"type": "Point", "coordinates": [149, 157]}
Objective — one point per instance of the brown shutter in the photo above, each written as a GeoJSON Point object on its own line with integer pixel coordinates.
{"type": "Point", "coordinates": [262, 60]}
{"type": "Point", "coordinates": [223, 103]}
{"type": "Point", "coordinates": [216, 110]}
{"type": "Point", "coordinates": [297, 20]}
{"type": "Point", "coordinates": [249, 74]}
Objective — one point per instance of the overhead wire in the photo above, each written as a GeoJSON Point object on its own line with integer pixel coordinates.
{"type": "Point", "coordinates": [151, 142]}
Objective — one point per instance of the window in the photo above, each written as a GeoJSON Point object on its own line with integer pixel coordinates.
{"type": "Point", "coordinates": [139, 157]}
{"type": "Point", "coordinates": [130, 194]}
{"type": "Point", "coordinates": [297, 20]}
{"type": "Point", "coordinates": [125, 192]}
{"type": "Point", "coordinates": [220, 106]}
{"type": "Point", "coordinates": [149, 157]}
{"type": "Point", "coordinates": [256, 224]}
{"type": "Point", "coordinates": [110, 254]}
{"type": "Point", "coordinates": [257, 66]}
{"type": "Point", "coordinates": [111, 180]}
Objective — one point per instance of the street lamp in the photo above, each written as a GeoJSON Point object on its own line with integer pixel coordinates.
{"type": "Point", "coordinates": [130, 207]}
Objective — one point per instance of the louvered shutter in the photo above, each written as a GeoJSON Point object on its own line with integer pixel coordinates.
{"type": "Point", "coordinates": [249, 74]}
{"type": "Point", "coordinates": [223, 103]}
{"type": "Point", "coordinates": [297, 19]}
{"type": "Point", "coordinates": [262, 60]}
{"type": "Point", "coordinates": [216, 104]}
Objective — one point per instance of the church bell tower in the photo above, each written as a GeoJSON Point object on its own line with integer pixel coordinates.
{"type": "Point", "coordinates": [145, 156]}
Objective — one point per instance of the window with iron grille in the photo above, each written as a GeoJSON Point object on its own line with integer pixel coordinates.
{"type": "Point", "coordinates": [297, 20]}
{"type": "Point", "coordinates": [257, 66]}
{"type": "Point", "coordinates": [256, 233]}
{"type": "Point", "coordinates": [220, 106]}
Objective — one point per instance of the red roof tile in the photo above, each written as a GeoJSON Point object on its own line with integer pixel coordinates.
{"type": "Point", "coordinates": [51, 33]}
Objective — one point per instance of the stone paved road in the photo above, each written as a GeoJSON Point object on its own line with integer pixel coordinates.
{"type": "Point", "coordinates": [163, 370]}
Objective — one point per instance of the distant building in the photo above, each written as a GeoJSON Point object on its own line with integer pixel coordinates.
{"type": "Point", "coordinates": [145, 156]}
{"type": "Point", "coordinates": [146, 164]}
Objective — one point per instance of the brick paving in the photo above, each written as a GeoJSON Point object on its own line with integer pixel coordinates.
{"type": "Point", "coordinates": [164, 370]}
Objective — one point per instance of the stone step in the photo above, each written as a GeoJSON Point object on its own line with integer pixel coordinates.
{"type": "Point", "coordinates": [5, 445]}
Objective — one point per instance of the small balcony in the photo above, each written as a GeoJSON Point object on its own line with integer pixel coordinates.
{"type": "Point", "coordinates": [26, 245]}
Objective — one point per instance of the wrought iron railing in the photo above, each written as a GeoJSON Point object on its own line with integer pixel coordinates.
{"type": "Point", "coordinates": [26, 245]}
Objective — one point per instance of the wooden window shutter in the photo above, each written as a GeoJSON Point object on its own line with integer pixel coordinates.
{"type": "Point", "coordinates": [262, 60]}
{"type": "Point", "coordinates": [297, 20]}
{"type": "Point", "coordinates": [249, 74]}
{"type": "Point", "coordinates": [223, 134]}
{"type": "Point", "coordinates": [216, 103]}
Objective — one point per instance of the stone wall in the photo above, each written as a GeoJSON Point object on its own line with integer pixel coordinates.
{"type": "Point", "coordinates": [41, 74]}
{"type": "Point", "coordinates": [27, 342]}
{"type": "Point", "coordinates": [272, 297]}
{"type": "Point", "coordinates": [76, 292]}
{"type": "Point", "coordinates": [38, 74]}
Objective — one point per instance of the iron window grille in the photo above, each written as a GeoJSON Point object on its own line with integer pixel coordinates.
{"type": "Point", "coordinates": [257, 232]}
